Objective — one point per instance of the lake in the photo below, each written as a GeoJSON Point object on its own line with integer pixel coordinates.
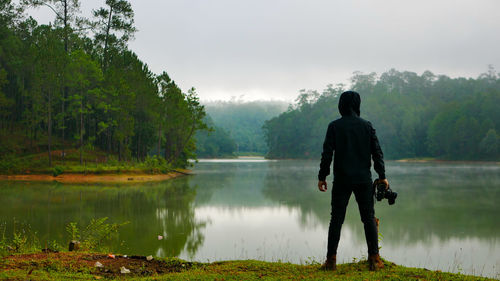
{"type": "Point", "coordinates": [446, 216]}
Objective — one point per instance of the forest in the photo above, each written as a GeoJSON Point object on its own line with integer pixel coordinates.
{"type": "Point", "coordinates": [416, 116]}
{"type": "Point", "coordinates": [74, 86]}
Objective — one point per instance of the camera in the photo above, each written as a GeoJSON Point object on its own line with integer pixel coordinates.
{"type": "Point", "coordinates": [383, 191]}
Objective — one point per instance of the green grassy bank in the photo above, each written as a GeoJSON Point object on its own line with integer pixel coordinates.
{"type": "Point", "coordinates": [95, 162]}
{"type": "Point", "coordinates": [82, 266]}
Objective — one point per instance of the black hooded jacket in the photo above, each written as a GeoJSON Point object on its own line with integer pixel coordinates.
{"type": "Point", "coordinates": [354, 141]}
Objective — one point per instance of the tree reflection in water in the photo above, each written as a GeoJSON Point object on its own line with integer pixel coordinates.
{"type": "Point", "coordinates": [435, 200]}
{"type": "Point", "coordinates": [153, 209]}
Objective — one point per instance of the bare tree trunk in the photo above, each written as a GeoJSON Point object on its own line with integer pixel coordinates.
{"type": "Point", "coordinates": [49, 128]}
{"type": "Point", "coordinates": [81, 131]}
{"type": "Point", "coordinates": [183, 143]}
{"type": "Point", "coordinates": [108, 27]}
{"type": "Point", "coordinates": [31, 138]}
{"type": "Point", "coordinates": [65, 93]}
{"type": "Point", "coordinates": [120, 151]}
{"type": "Point", "coordinates": [63, 154]}
{"type": "Point", "coordinates": [138, 148]}
{"type": "Point", "coordinates": [159, 141]}
{"type": "Point", "coordinates": [167, 143]}
{"type": "Point", "coordinates": [109, 140]}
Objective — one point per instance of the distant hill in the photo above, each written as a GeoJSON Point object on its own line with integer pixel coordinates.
{"type": "Point", "coordinates": [244, 120]}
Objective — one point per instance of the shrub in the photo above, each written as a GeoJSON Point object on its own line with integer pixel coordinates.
{"type": "Point", "coordinates": [156, 164]}
{"type": "Point", "coordinates": [57, 170]}
{"type": "Point", "coordinates": [96, 235]}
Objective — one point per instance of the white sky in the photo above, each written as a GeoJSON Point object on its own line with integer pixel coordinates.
{"type": "Point", "coordinates": [270, 49]}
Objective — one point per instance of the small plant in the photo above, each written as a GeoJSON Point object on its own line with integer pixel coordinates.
{"type": "Point", "coordinates": [96, 235]}
{"type": "Point", "coordinates": [57, 170]}
{"type": "Point", "coordinates": [311, 261]}
{"type": "Point", "coordinates": [72, 230]}
{"type": "Point", "coordinates": [19, 241]}
{"type": "Point", "coordinates": [54, 245]}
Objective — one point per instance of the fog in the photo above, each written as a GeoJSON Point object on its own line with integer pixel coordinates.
{"type": "Point", "coordinates": [271, 49]}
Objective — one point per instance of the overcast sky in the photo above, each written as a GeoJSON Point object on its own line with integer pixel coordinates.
{"type": "Point", "coordinates": [270, 49]}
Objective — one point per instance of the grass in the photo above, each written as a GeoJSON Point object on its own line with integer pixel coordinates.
{"type": "Point", "coordinates": [95, 162]}
{"type": "Point", "coordinates": [73, 265]}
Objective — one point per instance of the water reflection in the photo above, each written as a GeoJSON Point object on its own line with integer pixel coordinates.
{"type": "Point", "coordinates": [153, 209]}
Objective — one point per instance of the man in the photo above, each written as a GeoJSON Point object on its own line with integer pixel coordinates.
{"type": "Point", "coordinates": [354, 141]}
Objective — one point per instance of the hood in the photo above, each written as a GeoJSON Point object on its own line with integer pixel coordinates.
{"type": "Point", "coordinates": [349, 103]}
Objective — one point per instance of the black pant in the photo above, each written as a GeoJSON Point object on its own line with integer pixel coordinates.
{"type": "Point", "coordinates": [340, 198]}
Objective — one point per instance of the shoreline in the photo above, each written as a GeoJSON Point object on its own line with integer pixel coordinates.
{"type": "Point", "coordinates": [408, 160]}
{"type": "Point", "coordinates": [97, 178]}
{"type": "Point", "coordinates": [439, 161]}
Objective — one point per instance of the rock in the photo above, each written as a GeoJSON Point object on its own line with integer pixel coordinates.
{"type": "Point", "coordinates": [149, 258]}
{"type": "Point", "coordinates": [74, 245]}
{"type": "Point", "coordinates": [98, 264]}
{"type": "Point", "coordinates": [124, 270]}
{"type": "Point", "coordinates": [48, 250]}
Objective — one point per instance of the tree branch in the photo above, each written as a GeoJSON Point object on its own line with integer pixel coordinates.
{"type": "Point", "coordinates": [54, 10]}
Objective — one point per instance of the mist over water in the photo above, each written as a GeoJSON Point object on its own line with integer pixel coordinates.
{"type": "Point", "coordinates": [445, 217]}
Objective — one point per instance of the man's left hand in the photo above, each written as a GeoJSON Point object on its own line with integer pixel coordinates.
{"type": "Point", "coordinates": [322, 186]}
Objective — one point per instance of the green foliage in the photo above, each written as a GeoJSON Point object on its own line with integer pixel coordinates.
{"type": "Point", "coordinates": [489, 144]}
{"type": "Point", "coordinates": [73, 231]}
{"type": "Point", "coordinates": [156, 164]}
{"type": "Point", "coordinates": [57, 170]}
{"type": "Point", "coordinates": [215, 143]}
{"type": "Point", "coordinates": [95, 235]}
{"type": "Point", "coordinates": [415, 117]}
{"type": "Point", "coordinates": [9, 164]}
{"type": "Point", "coordinates": [182, 117]}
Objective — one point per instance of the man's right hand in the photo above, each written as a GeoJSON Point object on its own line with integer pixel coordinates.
{"type": "Point", "coordinates": [322, 186]}
{"type": "Point", "coordinates": [384, 181]}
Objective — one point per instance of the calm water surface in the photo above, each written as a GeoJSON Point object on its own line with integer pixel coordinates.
{"type": "Point", "coordinates": [446, 216]}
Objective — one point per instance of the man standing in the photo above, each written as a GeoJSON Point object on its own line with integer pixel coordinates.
{"type": "Point", "coordinates": [354, 141]}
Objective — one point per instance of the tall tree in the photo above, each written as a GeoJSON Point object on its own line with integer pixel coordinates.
{"type": "Point", "coordinates": [184, 115]}
{"type": "Point", "coordinates": [113, 27]}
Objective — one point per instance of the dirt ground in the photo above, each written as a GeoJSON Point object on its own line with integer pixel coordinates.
{"type": "Point", "coordinates": [86, 262]}
{"type": "Point", "coordinates": [92, 178]}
